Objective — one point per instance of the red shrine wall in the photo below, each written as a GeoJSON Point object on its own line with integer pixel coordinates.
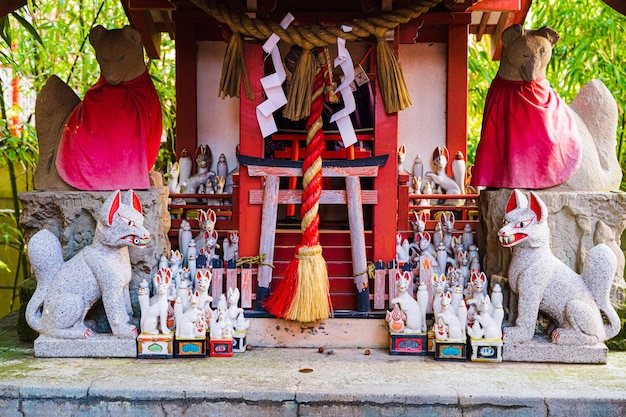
{"type": "Point", "coordinates": [421, 127]}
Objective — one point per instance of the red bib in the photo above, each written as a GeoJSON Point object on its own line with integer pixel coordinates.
{"type": "Point", "coordinates": [529, 137]}
{"type": "Point", "coordinates": [111, 139]}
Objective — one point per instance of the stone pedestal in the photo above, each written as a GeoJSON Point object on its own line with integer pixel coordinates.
{"type": "Point", "coordinates": [97, 346]}
{"type": "Point", "coordinates": [539, 349]}
{"type": "Point", "coordinates": [71, 216]}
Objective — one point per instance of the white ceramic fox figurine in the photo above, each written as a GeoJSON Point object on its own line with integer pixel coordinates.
{"type": "Point", "coordinates": [206, 221]}
{"type": "Point", "coordinates": [439, 285]}
{"type": "Point", "coordinates": [408, 304]}
{"type": "Point", "coordinates": [203, 284]}
{"type": "Point", "coordinates": [234, 312]}
{"type": "Point", "coordinates": [173, 172]}
{"type": "Point", "coordinates": [444, 183]}
{"type": "Point", "coordinates": [455, 329]}
{"type": "Point", "coordinates": [396, 319]}
{"type": "Point", "coordinates": [187, 322]}
{"type": "Point", "coordinates": [154, 309]}
{"type": "Point", "coordinates": [402, 249]}
{"type": "Point", "coordinates": [485, 325]}
{"type": "Point", "coordinates": [579, 305]}
{"type": "Point", "coordinates": [67, 290]}
{"type": "Point", "coordinates": [231, 246]}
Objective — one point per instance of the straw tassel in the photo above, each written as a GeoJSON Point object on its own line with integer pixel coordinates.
{"type": "Point", "coordinates": [304, 294]}
{"type": "Point", "coordinates": [392, 85]}
{"type": "Point", "coordinates": [234, 69]}
{"type": "Point", "coordinates": [299, 95]}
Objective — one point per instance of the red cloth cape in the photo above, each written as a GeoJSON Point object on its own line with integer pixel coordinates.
{"type": "Point", "coordinates": [529, 137]}
{"type": "Point", "coordinates": [111, 139]}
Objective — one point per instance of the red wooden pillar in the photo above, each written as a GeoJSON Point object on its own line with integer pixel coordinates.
{"type": "Point", "coordinates": [386, 183]}
{"type": "Point", "coordinates": [456, 124]}
{"type": "Point", "coordinates": [251, 144]}
{"type": "Point", "coordinates": [186, 83]}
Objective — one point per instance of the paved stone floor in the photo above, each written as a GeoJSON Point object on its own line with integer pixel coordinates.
{"type": "Point", "coordinates": [302, 382]}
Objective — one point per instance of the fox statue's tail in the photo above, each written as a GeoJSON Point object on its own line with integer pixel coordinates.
{"type": "Point", "coordinates": [598, 274]}
{"type": "Point", "coordinates": [46, 258]}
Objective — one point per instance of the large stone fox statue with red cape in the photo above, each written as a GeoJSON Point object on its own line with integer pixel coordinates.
{"type": "Point", "coordinates": [111, 139]}
{"type": "Point", "coordinates": [530, 138]}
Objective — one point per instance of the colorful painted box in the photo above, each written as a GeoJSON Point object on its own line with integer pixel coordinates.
{"type": "Point", "coordinates": [486, 350]}
{"type": "Point", "coordinates": [239, 342]}
{"type": "Point", "coordinates": [221, 347]}
{"type": "Point", "coordinates": [408, 344]}
{"type": "Point", "coordinates": [189, 348]}
{"type": "Point", "coordinates": [431, 341]}
{"type": "Point", "coordinates": [450, 351]}
{"type": "Point", "coordinates": [155, 346]}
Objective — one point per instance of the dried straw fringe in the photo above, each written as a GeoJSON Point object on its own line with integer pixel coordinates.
{"type": "Point", "coordinates": [299, 96]}
{"type": "Point", "coordinates": [392, 85]}
{"type": "Point", "coordinates": [311, 300]}
{"type": "Point", "coordinates": [233, 69]}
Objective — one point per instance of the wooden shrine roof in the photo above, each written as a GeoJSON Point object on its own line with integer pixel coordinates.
{"type": "Point", "coordinates": [488, 17]}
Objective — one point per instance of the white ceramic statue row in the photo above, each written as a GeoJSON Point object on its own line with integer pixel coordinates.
{"type": "Point", "coordinates": [200, 251]}
{"type": "Point", "coordinates": [449, 252]}
{"type": "Point", "coordinates": [203, 181]}
{"type": "Point", "coordinates": [478, 315]}
{"type": "Point", "coordinates": [192, 312]}
{"type": "Point", "coordinates": [436, 181]}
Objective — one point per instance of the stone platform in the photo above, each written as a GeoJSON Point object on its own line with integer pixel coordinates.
{"type": "Point", "coordinates": [539, 349]}
{"type": "Point", "coordinates": [97, 346]}
{"type": "Point", "coordinates": [301, 382]}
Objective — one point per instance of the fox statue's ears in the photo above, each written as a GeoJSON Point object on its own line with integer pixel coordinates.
{"type": "Point", "coordinates": [519, 200]}
{"type": "Point", "coordinates": [516, 200]}
{"type": "Point", "coordinates": [111, 205]}
{"type": "Point", "coordinates": [132, 200]}
{"type": "Point", "coordinates": [441, 151]}
{"type": "Point", "coordinates": [113, 202]}
{"type": "Point", "coordinates": [536, 206]}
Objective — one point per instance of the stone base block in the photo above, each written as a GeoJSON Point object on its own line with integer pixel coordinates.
{"type": "Point", "coordinates": [450, 351]}
{"type": "Point", "coordinates": [155, 346]}
{"type": "Point", "coordinates": [486, 350]}
{"type": "Point", "coordinates": [539, 349]}
{"type": "Point", "coordinates": [408, 344]}
{"type": "Point", "coordinates": [97, 346]}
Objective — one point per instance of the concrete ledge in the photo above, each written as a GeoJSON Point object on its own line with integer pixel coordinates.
{"type": "Point", "coordinates": [302, 382]}
{"type": "Point", "coordinates": [333, 332]}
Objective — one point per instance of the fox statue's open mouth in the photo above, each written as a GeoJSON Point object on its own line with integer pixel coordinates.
{"type": "Point", "coordinates": [137, 240]}
{"type": "Point", "coordinates": [511, 240]}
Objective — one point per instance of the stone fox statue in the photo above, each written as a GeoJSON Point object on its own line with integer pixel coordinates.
{"type": "Point", "coordinates": [579, 305]}
{"type": "Point", "coordinates": [530, 138]}
{"type": "Point", "coordinates": [111, 138]}
{"type": "Point", "coordinates": [67, 290]}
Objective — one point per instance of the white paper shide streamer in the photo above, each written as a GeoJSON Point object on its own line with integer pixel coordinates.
{"type": "Point", "coordinates": [342, 117]}
{"type": "Point", "coordinates": [272, 84]}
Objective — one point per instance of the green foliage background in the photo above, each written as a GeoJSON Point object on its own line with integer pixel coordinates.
{"type": "Point", "coordinates": [592, 45]}
{"type": "Point", "coordinates": [36, 41]}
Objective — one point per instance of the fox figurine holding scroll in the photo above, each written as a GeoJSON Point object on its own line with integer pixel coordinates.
{"type": "Point", "coordinates": [67, 290]}
{"type": "Point", "coordinates": [579, 305]}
